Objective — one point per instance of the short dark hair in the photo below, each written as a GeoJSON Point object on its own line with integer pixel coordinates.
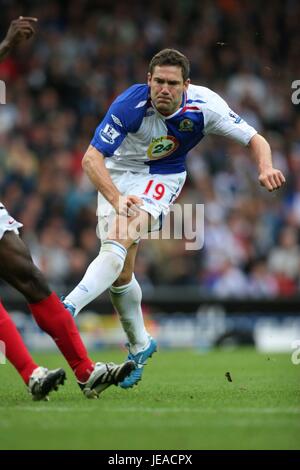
{"type": "Point", "coordinates": [171, 57]}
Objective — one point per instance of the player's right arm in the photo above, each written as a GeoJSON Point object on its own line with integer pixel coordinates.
{"type": "Point", "coordinates": [124, 115]}
{"type": "Point", "coordinates": [94, 166]}
{"type": "Point", "coordinates": [19, 29]}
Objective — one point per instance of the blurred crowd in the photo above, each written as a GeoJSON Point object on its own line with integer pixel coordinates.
{"type": "Point", "coordinates": [59, 86]}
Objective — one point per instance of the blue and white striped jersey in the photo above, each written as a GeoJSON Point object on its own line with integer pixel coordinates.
{"type": "Point", "coordinates": [135, 136]}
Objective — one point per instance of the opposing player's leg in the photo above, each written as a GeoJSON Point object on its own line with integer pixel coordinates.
{"type": "Point", "coordinates": [15, 349]}
{"type": "Point", "coordinates": [18, 269]}
{"type": "Point", "coordinates": [40, 381]}
{"type": "Point", "coordinates": [126, 297]}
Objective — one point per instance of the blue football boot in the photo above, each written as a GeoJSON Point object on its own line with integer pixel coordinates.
{"type": "Point", "coordinates": [140, 361]}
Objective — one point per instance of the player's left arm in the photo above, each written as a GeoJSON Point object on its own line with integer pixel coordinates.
{"type": "Point", "coordinates": [221, 120]}
{"type": "Point", "coordinates": [19, 30]}
{"type": "Point", "coordinates": [268, 176]}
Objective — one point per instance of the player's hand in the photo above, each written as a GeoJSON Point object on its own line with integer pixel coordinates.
{"type": "Point", "coordinates": [271, 179]}
{"type": "Point", "coordinates": [19, 30]}
{"type": "Point", "coordinates": [127, 205]}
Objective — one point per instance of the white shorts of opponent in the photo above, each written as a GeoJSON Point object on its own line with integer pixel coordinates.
{"type": "Point", "coordinates": [158, 193]}
{"type": "Point", "coordinates": [8, 223]}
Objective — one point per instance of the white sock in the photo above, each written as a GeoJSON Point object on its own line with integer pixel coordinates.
{"type": "Point", "coordinates": [100, 274]}
{"type": "Point", "coordinates": [127, 302]}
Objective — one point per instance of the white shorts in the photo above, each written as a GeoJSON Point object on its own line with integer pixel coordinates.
{"type": "Point", "coordinates": [8, 223]}
{"type": "Point", "coordinates": [158, 193]}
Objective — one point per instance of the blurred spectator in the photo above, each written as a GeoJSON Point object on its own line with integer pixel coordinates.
{"type": "Point", "coordinates": [262, 283]}
{"type": "Point", "coordinates": [284, 261]}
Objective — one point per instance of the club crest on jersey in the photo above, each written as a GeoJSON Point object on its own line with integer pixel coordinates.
{"type": "Point", "coordinates": [186, 125]}
{"type": "Point", "coordinates": [161, 147]}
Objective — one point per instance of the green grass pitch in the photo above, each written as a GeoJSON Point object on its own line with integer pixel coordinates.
{"type": "Point", "coordinates": [184, 402]}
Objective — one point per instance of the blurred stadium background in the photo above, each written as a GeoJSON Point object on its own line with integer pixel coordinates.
{"type": "Point", "coordinates": [243, 287]}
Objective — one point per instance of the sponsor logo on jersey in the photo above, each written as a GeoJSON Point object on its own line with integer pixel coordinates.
{"type": "Point", "coordinates": [109, 134]}
{"type": "Point", "coordinates": [116, 120]}
{"type": "Point", "coordinates": [235, 117]}
{"type": "Point", "coordinates": [186, 125]}
{"type": "Point", "coordinates": [161, 147]}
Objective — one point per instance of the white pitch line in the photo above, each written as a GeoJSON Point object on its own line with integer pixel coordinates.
{"type": "Point", "coordinates": [65, 409]}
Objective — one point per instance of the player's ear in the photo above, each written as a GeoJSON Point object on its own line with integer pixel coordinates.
{"type": "Point", "coordinates": [149, 78]}
{"type": "Point", "coordinates": [186, 84]}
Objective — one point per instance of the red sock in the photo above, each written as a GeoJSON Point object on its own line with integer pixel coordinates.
{"type": "Point", "coordinates": [15, 350]}
{"type": "Point", "coordinates": [52, 317]}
